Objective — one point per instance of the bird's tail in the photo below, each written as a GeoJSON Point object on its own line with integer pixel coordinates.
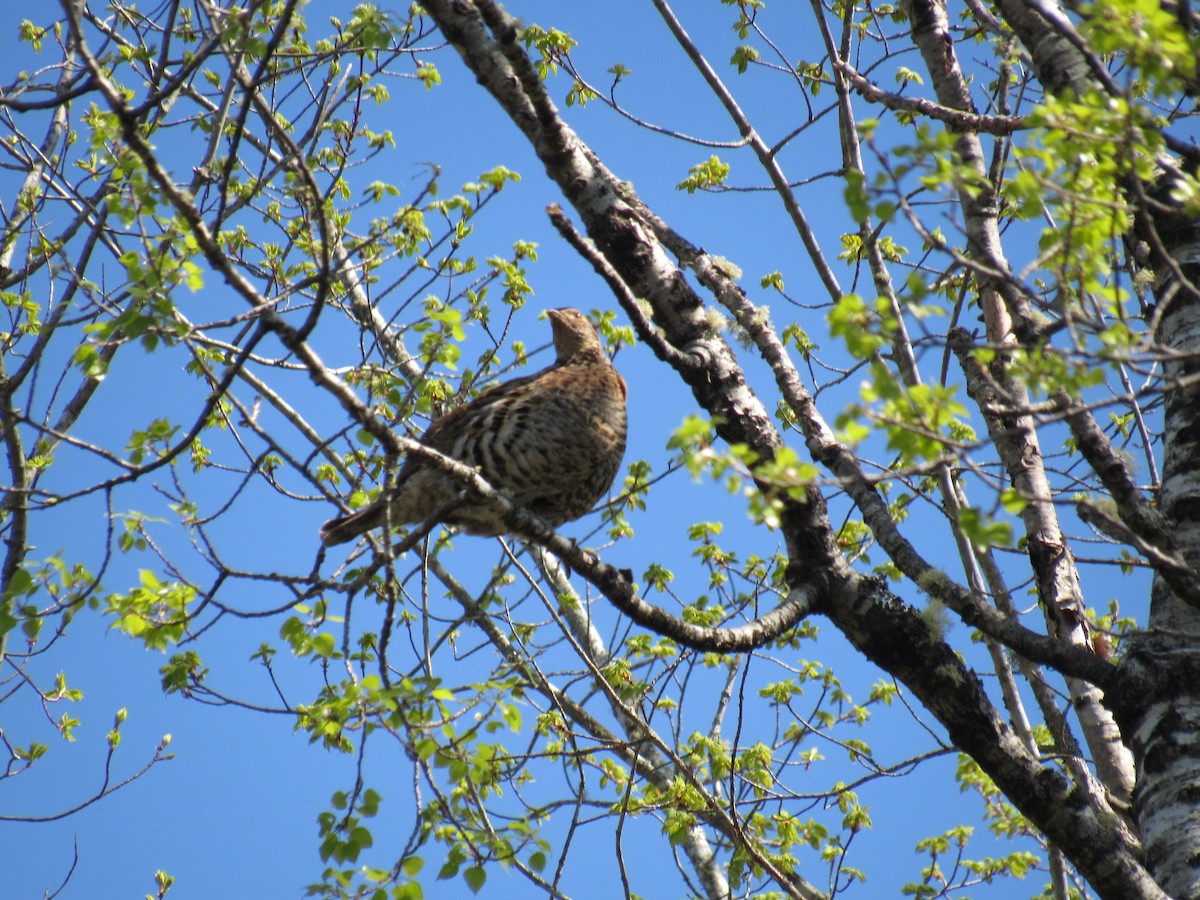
{"type": "Point", "coordinates": [347, 528]}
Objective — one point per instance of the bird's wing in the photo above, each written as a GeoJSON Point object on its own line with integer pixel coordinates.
{"type": "Point", "coordinates": [446, 431]}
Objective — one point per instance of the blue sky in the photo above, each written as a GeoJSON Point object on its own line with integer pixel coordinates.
{"type": "Point", "coordinates": [233, 814]}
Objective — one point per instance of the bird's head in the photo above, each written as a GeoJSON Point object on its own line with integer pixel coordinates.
{"type": "Point", "coordinates": [574, 337]}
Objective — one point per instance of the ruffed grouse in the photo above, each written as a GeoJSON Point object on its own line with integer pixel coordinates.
{"type": "Point", "coordinates": [552, 441]}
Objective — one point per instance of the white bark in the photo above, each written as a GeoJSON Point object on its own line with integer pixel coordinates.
{"type": "Point", "coordinates": [1166, 663]}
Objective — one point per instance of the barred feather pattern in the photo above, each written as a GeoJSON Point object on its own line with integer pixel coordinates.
{"type": "Point", "coordinates": [552, 441]}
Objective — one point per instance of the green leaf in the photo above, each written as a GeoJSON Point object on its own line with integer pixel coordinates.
{"type": "Point", "coordinates": [856, 196]}
{"type": "Point", "coordinates": [743, 56]}
{"type": "Point", "coordinates": [21, 583]}
{"type": "Point", "coordinates": [475, 877]}
{"type": "Point", "coordinates": [1013, 503]}
{"type": "Point", "coordinates": [412, 865]}
{"type": "Point", "coordinates": [982, 531]}
{"type": "Point", "coordinates": [709, 174]}
{"type": "Point", "coordinates": [370, 802]}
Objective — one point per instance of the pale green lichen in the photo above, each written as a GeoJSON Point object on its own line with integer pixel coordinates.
{"type": "Point", "coordinates": [762, 317]}
{"type": "Point", "coordinates": [727, 267]}
{"type": "Point", "coordinates": [936, 619]}
{"type": "Point", "coordinates": [933, 582]}
{"type": "Point", "coordinates": [717, 323]}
